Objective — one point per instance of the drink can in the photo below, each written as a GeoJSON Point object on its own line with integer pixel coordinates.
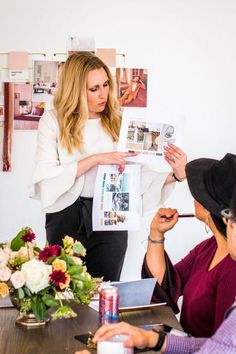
{"type": "Point", "coordinates": [109, 305]}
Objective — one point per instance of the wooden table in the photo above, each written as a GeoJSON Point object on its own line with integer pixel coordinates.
{"type": "Point", "coordinates": [58, 336]}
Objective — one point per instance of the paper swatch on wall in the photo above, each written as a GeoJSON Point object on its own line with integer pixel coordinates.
{"type": "Point", "coordinates": [132, 87]}
{"type": "Point", "coordinates": [80, 44]}
{"type": "Point", "coordinates": [18, 66]}
{"type": "Point", "coordinates": [107, 55]}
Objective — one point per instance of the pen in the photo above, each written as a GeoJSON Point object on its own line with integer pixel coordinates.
{"type": "Point", "coordinates": [186, 215]}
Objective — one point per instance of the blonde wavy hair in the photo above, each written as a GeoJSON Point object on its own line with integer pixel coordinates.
{"type": "Point", "coordinates": [70, 101]}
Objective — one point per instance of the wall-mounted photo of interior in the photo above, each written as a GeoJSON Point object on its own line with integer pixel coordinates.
{"type": "Point", "coordinates": [132, 87]}
{"type": "Point", "coordinates": [26, 111]}
{"type": "Point", "coordinates": [45, 79]}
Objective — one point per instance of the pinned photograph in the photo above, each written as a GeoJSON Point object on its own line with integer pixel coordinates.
{"type": "Point", "coordinates": [80, 44]}
{"type": "Point", "coordinates": [132, 87]}
{"type": "Point", "coordinates": [45, 79]}
{"type": "Point", "coordinates": [27, 113]}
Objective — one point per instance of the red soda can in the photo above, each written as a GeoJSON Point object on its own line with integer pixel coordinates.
{"type": "Point", "coordinates": [109, 305]}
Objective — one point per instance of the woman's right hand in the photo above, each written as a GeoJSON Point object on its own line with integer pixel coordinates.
{"type": "Point", "coordinates": [113, 158]}
{"type": "Point", "coordinates": [164, 220]}
{"type": "Point", "coordinates": [137, 337]}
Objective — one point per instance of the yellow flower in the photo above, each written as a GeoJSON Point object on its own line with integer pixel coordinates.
{"type": "Point", "coordinates": [66, 284]}
{"type": "Point", "coordinates": [68, 241]}
{"type": "Point", "coordinates": [69, 251]}
{"type": "Point", "coordinates": [59, 264]}
{"type": "Point", "coordinates": [4, 290]}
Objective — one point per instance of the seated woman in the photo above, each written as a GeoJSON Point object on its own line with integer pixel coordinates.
{"type": "Point", "coordinates": [223, 340]}
{"type": "Point", "coordinates": [206, 276]}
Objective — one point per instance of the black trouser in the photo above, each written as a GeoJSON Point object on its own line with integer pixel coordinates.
{"type": "Point", "coordinates": [105, 249]}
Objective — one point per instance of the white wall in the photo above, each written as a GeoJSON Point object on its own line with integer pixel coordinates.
{"type": "Point", "coordinates": [189, 47]}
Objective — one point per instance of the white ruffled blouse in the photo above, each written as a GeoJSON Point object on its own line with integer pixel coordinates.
{"type": "Point", "coordinates": [54, 179]}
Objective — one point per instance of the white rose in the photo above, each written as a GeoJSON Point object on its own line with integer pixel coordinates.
{"type": "Point", "coordinates": [4, 257]}
{"type": "Point", "coordinates": [5, 274]}
{"type": "Point", "coordinates": [36, 274]}
{"type": "Point", "coordinates": [18, 279]}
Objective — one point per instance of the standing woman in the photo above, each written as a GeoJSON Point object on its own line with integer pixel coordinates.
{"type": "Point", "coordinates": [80, 133]}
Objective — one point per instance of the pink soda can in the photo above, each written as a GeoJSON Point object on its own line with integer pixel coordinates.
{"type": "Point", "coordinates": [109, 305]}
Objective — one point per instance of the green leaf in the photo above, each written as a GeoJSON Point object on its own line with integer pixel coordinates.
{"type": "Point", "coordinates": [78, 248]}
{"type": "Point", "coordinates": [41, 310]}
{"type": "Point", "coordinates": [17, 242]}
{"type": "Point", "coordinates": [38, 308]}
{"type": "Point", "coordinates": [51, 259]}
{"type": "Point", "coordinates": [27, 291]}
{"type": "Point", "coordinates": [63, 252]}
{"type": "Point", "coordinates": [69, 260]}
{"type": "Point", "coordinates": [78, 277]}
{"type": "Point", "coordinates": [50, 301]}
{"type": "Point", "coordinates": [21, 293]}
{"type": "Point", "coordinates": [75, 270]}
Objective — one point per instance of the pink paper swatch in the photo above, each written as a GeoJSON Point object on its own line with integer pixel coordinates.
{"type": "Point", "coordinates": [18, 60]}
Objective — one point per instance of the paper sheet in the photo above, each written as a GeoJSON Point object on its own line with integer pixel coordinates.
{"type": "Point", "coordinates": [117, 199]}
{"type": "Point", "coordinates": [147, 137]}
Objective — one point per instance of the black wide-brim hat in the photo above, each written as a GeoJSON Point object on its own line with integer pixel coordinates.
{"type": "Point", "coordinates": [233, 202]}
{"type": "Point", "coordinates": [212, 182]}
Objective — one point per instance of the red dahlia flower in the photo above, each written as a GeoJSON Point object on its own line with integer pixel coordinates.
{"type": "Point", "coordinates": [48, 252]}
{"type": "Point", "coordinates": [28, 236]}
{"type": "Point", "coordinates": [57, 277]}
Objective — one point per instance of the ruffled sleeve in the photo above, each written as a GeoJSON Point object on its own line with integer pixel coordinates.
{"type": "Point", "coordinates": [154, 192]}
{"type": "Point", "coordinates": [54, 180]}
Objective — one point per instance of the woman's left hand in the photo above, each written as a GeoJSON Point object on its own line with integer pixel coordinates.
{"type": "Point", "coordinates": [177, 159]}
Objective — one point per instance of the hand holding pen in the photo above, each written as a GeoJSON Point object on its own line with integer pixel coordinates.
{"type": "Point", "coordinates": [166, 218]}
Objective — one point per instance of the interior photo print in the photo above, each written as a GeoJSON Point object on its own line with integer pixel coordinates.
{"type": "Point", "coordinates": [149, 137]}
{"type": "Point", "coordinates": [45, 79]}
{"type": "Point", "coordinates": [27, 112]}
{"type": "Point", "coordinates": [132, 87]}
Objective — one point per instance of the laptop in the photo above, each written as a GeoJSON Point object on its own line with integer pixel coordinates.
{"type": "Point", "coordinates": [136, 294]}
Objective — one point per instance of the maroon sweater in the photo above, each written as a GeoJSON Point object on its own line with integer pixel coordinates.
{"type": "Point", "coordinates": [206, 294]}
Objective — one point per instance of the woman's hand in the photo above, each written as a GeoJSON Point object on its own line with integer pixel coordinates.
{"type": "Point", "coordinates": [164, 220]}
{"type": "Point", "coordinates": [138, 337]}
{"type": "Point", "coordinates": [113, 158]}
{"type": "Point", "coordinates": [83, 352]}
{"type": "Point", "coordinates": [177, 159]}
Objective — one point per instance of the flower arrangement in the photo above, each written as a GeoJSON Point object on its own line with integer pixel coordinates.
{"type": "Point", "coordinates": [39, 279]}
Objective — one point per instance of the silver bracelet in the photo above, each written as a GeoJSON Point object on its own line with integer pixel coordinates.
{"type": "Point", "coordinates": [156, 241]}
